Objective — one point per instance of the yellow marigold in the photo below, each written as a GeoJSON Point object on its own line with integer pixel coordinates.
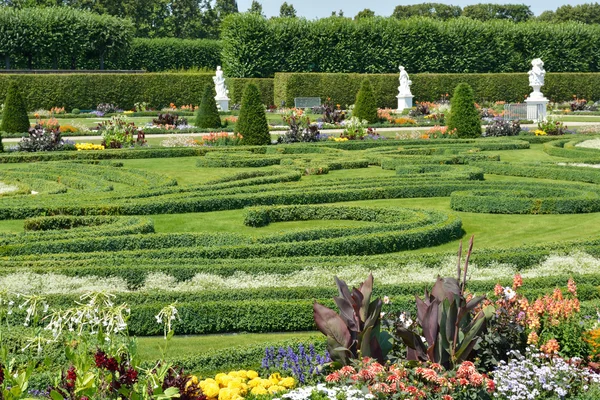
{"type": "Point", "coordinates": [259, 390]}
{"type": "Point", "coordinates": [288, 382]}
{"type": "Point", "coordinates": [251, 374]}
{"type": "Point", "coordinates": [255, 382]}
{"type": "Point", "coordinates": [210, 389]}
{"type": "Point", "coordinates": [266, 383]}
{"type": "Point", "coordinates": [238, 385]}
{"type": "Point", "coordinates": [276, 388]}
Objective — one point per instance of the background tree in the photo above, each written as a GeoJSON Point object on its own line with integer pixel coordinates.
{"type": "Point", "coordinates": [464, 116]}
{"type": "Point", "coordinates": [207, 115]}
{"type": "Point", "coordinates": [366, 13]}
{"type": "Point", "coordinates": [489, 11]}
{"type": "Point", "coordinates": [224, 8]}
{"type": "Point", "coordinates": [365, 106]}
{"type": "Point", "coordinates": [252, 122]}
{"type": "Point", "coordinates": [14, 116]}
{"type": "Point", "coordinates": [287, 10]}
{"type": "Point", "coordinates": [588, 13]}
{"type": "Point", "coordinates": [432, 10]}
{"type": "Point", "coordinates": [256, 8]}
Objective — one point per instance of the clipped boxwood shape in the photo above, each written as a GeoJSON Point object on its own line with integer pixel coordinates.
{"type": "Point", "coordinates": [365, 106]}
{"type": "Point", "coordinates": [207, 115]}
{"type": "Point", "coordinates": [252, 122]}
{"type": "Point", "coordinates": [14, 117]}
{"type": "Point", "coordinates": [464, 117]}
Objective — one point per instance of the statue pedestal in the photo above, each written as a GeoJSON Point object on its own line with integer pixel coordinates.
{"type": "Point", "coordinates": [404, 102]}
{"type": "Point", "coordinates": [222, 103]}
{"type": "Point", "coordinates": [536, 107]}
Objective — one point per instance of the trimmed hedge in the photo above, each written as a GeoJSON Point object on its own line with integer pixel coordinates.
{"type": "Point", "coordinates": [164, 54]}
{"type": "Point", "coordinates": [253, 46]}
{"type": "Point", "coordinates": [566, 148]}
{"type": "Point", "coordinates": [526, 199]}
{"type": "Point", "coordinates": [510, 87]}
{"type": "Point", "coordinates": [86, 91]}
{"type": "Point", "coordinates": [236, 88]}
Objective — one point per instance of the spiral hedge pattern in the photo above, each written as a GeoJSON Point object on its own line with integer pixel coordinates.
{"type": "Point", "coordinates": [85, 217]}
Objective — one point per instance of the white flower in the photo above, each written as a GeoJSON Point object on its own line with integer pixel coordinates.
{"type": "Point", "coordinates": [386, 300]}
{"type": "Point", "coordinates": [509, 294]}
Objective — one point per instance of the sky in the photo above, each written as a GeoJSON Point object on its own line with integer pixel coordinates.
{"type": "Point", "coordinates": [318, 8]}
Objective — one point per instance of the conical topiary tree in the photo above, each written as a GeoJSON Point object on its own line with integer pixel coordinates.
{"type": "Point", "coordinates": [207, 115]}
{"type": "Point", "coordinates": [252, 122]}
{"type": "Point", "coordinates": [365, 106]}
{"type": "Point", "coordinates": [14, 116]}
{"type": "Point", "coordinates": [464, 116]}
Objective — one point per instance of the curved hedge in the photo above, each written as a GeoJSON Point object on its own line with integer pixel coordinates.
{"type": "Point", "coordinates": [527, 199]}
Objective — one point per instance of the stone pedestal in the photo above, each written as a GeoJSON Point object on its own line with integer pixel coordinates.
{"type": "Point", "coordinates": [222, 104]}
{"type": "Point", "coordinates": [536, 108]}
{"type": "Point", "coordinates": [404, 102]}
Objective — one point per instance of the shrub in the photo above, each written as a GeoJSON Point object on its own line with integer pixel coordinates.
{"type": "Point", "coordinates": [14, 116]}
{"type": "Point", "coordinates": [365, 106]}
{"type": "Point", "coordinates": [464, 116]}
{"type": "Point", "coordinates": [42, 138]}
{"type": "Point", "coordinates": [207, 115]}
{"type": "Point", "coordinates": [169, 119]}
{"type": "Point", "coordinates": [1, 146]}
{"type": "Point", "coordinates": [252, 123]}
{"type": "Point", "coordinates": [502, 128]}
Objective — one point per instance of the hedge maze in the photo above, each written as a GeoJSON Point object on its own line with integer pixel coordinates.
{"type": "Point", "coordinates": [94, 219]}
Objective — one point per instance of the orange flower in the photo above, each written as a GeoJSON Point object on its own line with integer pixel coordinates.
{"type": "Point", "coordinates": [571, 287]}
{"type": "Point", "coordinates": [532, 338]}
{"type": "Point", "coordinates": [551, 347]}
{"type": "Point", "coordinates": [517, 281]}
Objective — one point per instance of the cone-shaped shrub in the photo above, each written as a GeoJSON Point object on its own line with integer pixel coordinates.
{"type": "Point", "coordinates": [1, 147]}
{"type": "Point", "coordinates": [14, 116]}
{"type": "Point", "coordinates": [365, 106]}
{"type": "Point", "coordinates": [252, 122]}
{"type": "Point", "coordinates": [464, 116]}
{"type": "Point", "coordinates": [207, 115]}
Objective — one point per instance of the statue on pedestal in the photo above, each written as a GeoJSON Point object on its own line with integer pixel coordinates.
{"type": "Point", "coordinates": [536, 78]}
{"type": "Point", "coordinates": [405, 82]}
{"type": "Point", "coordinates": [220, 87]}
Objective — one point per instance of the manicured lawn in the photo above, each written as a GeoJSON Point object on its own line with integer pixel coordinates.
{"type": "Point", "coordinates": [150, 347]}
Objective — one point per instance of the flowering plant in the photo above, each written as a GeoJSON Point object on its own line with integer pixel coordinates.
{"type": "Point", "coordinates": [354, 128]}
{"type": "Point", "coordinates": [303, 365]}
{"type": "Point", "coordinates": [404, 381]}
{"type": "Point", "coordinates": [537, 375]}
{"type": "Point", "coordinates": [117, 133]}
{"type": "Point", "coordinates": [237, 384]}
{"type": "Point", "coordinates": [439, 132]}
{"type": "Point", "coordinates": [222, 139]}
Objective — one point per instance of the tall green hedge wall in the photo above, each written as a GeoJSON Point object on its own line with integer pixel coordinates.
{"type": "Point", "coordinates": [254, 46]}
{"type": "Point", "coordinates": [167, 54]}
{"type": "Point", "coordinates": [342, 88]}
{"type": "Point", "coordinates": [60, 36]}
{"type": "Point", "coordinates": [86, 91]}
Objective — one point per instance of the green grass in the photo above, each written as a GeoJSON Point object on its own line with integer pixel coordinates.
{"type": "Point", "coordinates": [150, 347]}
{"type": "Point", "coordinates": [578, 118]}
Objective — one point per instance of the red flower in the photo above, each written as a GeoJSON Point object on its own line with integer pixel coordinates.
{"type": "Point", "coordinates": [100, 359]}
{"type": "Point", "coordinates": [111, 364]}
{"type": "Point", "coordinates": [491, 386]}
{"type": "Point", "coordinates": [333, 377]}
{"type": "Point", "coordinates": [71, 377]}
{"type": "Point", "coordinates": [1, 374]}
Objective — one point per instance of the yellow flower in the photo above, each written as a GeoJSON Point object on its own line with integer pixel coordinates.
{"type": "Point", "coordinates": [210, 389]}
{"type": "Point", "coordinates": [276, 388]}
{"type": "Point", "coordinates": [259, 390]}
{"type": "Point", "coordinates": [288, 382]}
{"type": "Point", "coordinates": [266, 383]}
{"type": "Point", "coordinates": [252, 374]}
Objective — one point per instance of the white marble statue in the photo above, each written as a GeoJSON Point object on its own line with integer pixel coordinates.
{"type": "Point", "coordinates": [536, 77]}
{"type": "Point", "coordinates": [536, 102]}
{"type": "Point", "coordinates": [405, 82]}
{"type": "Point", "coordinates": [220, 87]}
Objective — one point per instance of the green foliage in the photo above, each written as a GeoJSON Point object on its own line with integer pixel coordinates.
{"type": "Point", "coordinates": [252, 122]}
{"type": "Point", "coordinates": [342, 88]}
{"type": "Point", "coordinates": [170, 54]}
{"type": "Point", "coordinates": [365, 107]}
{"type": "Point", "coordinates": [287, 10]}
{"type": "Point", "coordinates": [431, 10]}
{"type": "Point", "coordinates": [588, 13]}
{"type": "Point", "coordinates": [252, 46]}
{"type": "Point", "coordinates": [489, 11]}
{"type": "Point", "coordinates": [207, 115]}
{"type": "Point", "coordinates": [464, 116]}
{"type": "Point", "coordinates": [355, 332]}
{"type": "Point", "coordinates": [236, 88]}
{"type": "Point", "coordinates": [450, 326]}
{"type": "Point", "coordinates": [86, 91]}
{"type": "Point", "coordinates": [366, 13]}
{"type": "Point", "coordinates": [60, 35]}
{"type": "Point", "coordinates": [14, 116]}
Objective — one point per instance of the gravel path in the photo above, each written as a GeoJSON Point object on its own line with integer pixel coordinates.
{"type": "Point", "coordinates": [4, 188]}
